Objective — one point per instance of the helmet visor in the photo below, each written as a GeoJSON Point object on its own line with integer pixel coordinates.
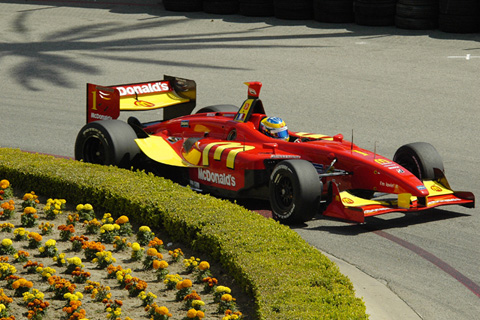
{"type": "Point", "coordinates": [279, 133]}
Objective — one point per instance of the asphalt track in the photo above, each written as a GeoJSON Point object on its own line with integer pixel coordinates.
{"type": "Point", "coordinates": [387, 86]}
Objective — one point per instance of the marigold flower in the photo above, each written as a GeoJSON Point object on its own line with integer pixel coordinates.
{"type": "Point", "coordinates": [192, 313]}
{"type": "Point", "coordinates": [144, 229]}
{"type": "Point", "coordinates": [204, 265]}
{"type": "Point", "coordinates": [7, 242]}
{"type": "Point", "coordinates": [29, 210]}
{"type": "Point", "coordinates": [227, 297]}
{"type": "Point", "coordinates": [187, 283]}
{"type": "Point", "coordinates": [35, 236]}
{"type": "Point", "coordinates": [162, 311]}
{"type": "Point", "coordinates": [122, 220]}
{"type": "Point", "coordinates": [50, 243]}
{"type": "Point", "coordinates": [160, 264]}
{"type": "Point", "coordinates": [4, 184]}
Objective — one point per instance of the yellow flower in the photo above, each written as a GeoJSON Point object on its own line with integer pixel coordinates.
{"type": "Point", "coordinates": [4, 184]}
{"type": "Point", "coordinates": [198, 303]}
{"type": "Point", "coordinates": [88, 207]}
{"type": "Point", "coordinates": [79, 207]}
{"type": "Point", "coordinates": [50, 243]}
{"type": "Point", "coordinates": [227, 297]}
{"type": "Point", "coordinates": [136, 246]}
{"type": "Point", "coordinates": [6, 242]}
{"type": "Point", "coordinates": [223, 289]}
{"type": "Point", "coordinates": [144, 229]}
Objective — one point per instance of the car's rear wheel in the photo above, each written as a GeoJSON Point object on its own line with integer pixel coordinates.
{"type": "Point", "coordinates": [295, 191]}
{"type": "Point", "coordinates": [107, 142]}
{"type": "Point", "coordinates": [421, 159]}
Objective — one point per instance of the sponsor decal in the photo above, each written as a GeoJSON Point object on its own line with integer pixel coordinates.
{"type": "Point", "coordinates": [99, 116]}
{"type": "Point", "coordinates": [283, 156]}
{"type": "Point", "coordinates": [247, 105]}
{"type": "Point", "coordinates": [436, 188]}
{"type": "Point", "coordinates": [143, 104]}
{"type": "Point", "coordinates": [104, 95]}
{"type": "Point", "coordinates": [443, 200]}
{"type": "Point", "coordinates": [184, 124]}
{"type": "Point", "coordinates": [252, 91]}
{"type": "Point", "coordinates": [384, 162]}
{"type": "Point", "coordinates": [216, 178]}
{"type": "Point", "coordinates": [151, 87]}
{"type": "Point", "coordinates": [388, 185]}
{"type": "Point", "coordinates": [347, 200]}
{"type": "Point", "coordinates": [375, 210]}
{"type": "Point", "coordinates": [240, 117]}
{"type": "Point", "coordinates": [400, 171]}
{"type": "Point", "coordinates": [421, 187]}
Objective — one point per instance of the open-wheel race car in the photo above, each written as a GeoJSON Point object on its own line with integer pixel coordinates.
{"type": "Point", "coordinates": [224, 150]}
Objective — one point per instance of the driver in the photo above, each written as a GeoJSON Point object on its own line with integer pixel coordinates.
{"type": "Point", "coordinates": [274, 127]}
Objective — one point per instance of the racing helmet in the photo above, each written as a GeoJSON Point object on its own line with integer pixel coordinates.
{"type": "Point", "coordinates": [274, 127]}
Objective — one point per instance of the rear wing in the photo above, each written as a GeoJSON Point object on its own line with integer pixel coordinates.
{"type": "Point", "coordinates": [176, 95]}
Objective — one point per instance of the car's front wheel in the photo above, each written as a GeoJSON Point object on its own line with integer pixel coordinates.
{"type": "Point", "coordinates": [107, 142]}
{"type": "Point", "coordinates": [421, 159]}
{"type": "Point", "coordinates": [295, 191]}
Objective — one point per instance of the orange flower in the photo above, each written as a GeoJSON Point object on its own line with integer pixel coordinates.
{"type": "Point", "coordinates": [161, 310]}
{"type": "Point", "coordinates": [204, 265]}
{"type": "Point", "coordinates": [187, 283]}
{"type": "Point", "coordinates": [192, 313]}
{"type": "Point", "coordinates": [160, 264]}
{"type": "Point", "coordinates": [35, 236]}
{"type": "Point", "coordinates": [122, 220]}
{"type": "Point", "coordinates": [29, 210]}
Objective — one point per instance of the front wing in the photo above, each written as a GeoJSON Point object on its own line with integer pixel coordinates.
{"type": "Point", "coordinates": [346, 206]}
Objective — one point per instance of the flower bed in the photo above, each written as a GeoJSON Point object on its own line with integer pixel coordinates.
{"type": "Point", "coordinates": [282, 275]}
{"type": "Point", "coordinates": [59, 268]}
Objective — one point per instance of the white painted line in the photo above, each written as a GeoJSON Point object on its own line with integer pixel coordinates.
{"type": "Point", "coordinates": [466, 57]}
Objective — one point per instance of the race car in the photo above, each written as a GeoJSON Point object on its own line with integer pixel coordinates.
{"type": "Point", "coordinates": [222, 150]}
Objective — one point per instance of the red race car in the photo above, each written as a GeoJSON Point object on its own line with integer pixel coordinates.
{"type": "Point", "coordinates": [240, 152]}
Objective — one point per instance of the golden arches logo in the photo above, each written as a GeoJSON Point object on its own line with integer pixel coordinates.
{"type": "Point", "coordinates": [144, 104]}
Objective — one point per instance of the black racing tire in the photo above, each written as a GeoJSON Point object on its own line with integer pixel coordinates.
{"type": "Point", "coordinates": [293, 10]}
{"type": "Point", "coordinates": [295, 191]}
{"type": "Point", "coordinates": [415, 24]}
{"type": "Point", "coordinates": [333, 11]}
{"type": "Point", "coordinates": [416, 12]}
{"type": "Point", "coordinates": [458, 24]}
{"type": "Point", "coordinates": [419, 2]}
{"type": "Point", "coordinates": [459, 7]}
{"type": "Point", "coordinates": [107, 142]}
{"type": "Point", "coordinates": [374, 12]}
{"type": "Point", "coordinates": [219, 108]}
{"type": "Point", "coordinates": [421, 159]}
{"type": "Point", "coordinates": [183, 5]}
{"type": "Point", "coordinates": [220, 6]}
{"type": "Point", "coordinates": [256, 8]}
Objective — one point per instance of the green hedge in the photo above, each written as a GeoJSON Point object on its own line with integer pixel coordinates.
{"type": "Point", "coordinates": [286, 277]}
